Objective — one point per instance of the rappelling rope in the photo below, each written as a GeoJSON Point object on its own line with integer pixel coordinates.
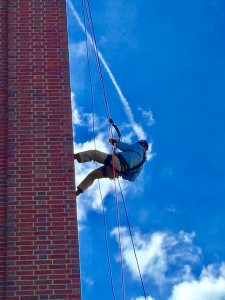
{"type": "Point", "coordinates": [93, 39]}
{"type": "Point", "coordinates": [118, 226]}
{"type": "Point", "coordinates": [99, 186]}
{"type": "Point", "coordinates": [87, 9]}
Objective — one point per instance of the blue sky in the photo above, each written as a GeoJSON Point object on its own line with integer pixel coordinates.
{"type": "Point", "coordinates": [168, 59]}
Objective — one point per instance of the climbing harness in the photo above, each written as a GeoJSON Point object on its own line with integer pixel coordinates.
{"type": "Point", "coordinates": [131, 173]}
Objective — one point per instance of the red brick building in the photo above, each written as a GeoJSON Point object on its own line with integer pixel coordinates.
{"type": "Point", "coordinates": [39, 256]}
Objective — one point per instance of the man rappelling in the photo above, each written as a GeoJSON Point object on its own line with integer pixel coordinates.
{"type": "Point", "coordinates": [127, 163]}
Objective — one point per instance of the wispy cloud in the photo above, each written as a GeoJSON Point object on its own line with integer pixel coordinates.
{"type": "Point", "coordinates": [89, 281]}
{"type": "Point", "coordinates": [86, 119]}
{"type": "Point", "coordinates": [158, 252]}
{"type": "Point", "coordinates": [148, 116]}
{"type": "Point", "coordinates": [78, 49]}
{"type": "Point", "coordinates": [171, 209]}
{"type": "Point", "coordinates": [136, 127]}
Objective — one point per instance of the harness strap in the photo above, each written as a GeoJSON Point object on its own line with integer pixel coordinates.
{"type": "Point", "coordinates": [139, 165]}
{"type": "Point", "coordinates": [125, 166]}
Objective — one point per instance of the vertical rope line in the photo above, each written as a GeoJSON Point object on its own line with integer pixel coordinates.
{"type": "Point", "coordinates": [89, 16]}
{"type": "Point", "coordinates": [91, 27]}
{"type": "Point", "coordinates": [93, 125]}
{"type": "Point", "coordinates": [98, 63]}
{"type": "Point", "coordinates": [92, 31]}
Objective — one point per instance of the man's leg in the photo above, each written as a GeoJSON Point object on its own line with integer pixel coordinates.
{"type": "Point", "coordinates": [93, 155]}
{"type": "Point", "coordinates": [102, 172]}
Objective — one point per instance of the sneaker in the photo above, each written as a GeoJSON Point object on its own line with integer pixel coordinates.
{"type": "Point", "coordinates": [78, 192]}
{"type": "Point", "coordinates": [77, 157]}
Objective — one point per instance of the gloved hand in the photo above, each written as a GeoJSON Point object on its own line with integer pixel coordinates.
{"type": "Point", "coordinates": [113, 141]}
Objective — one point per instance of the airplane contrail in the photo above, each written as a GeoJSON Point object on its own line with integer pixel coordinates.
{"type": "Point", "coordinates": [136, 127]}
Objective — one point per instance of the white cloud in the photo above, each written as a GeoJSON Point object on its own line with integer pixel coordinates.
{"type": "Point", "coordinates": [157, 253]}
{"type": "Point", "coordinates": [75, 112]}
{"type": "Point", "coordinates": [209, 286]}
{"type": "Point", "coordinates": [87, 120]}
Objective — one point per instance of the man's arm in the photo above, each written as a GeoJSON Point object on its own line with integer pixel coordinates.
{"type": "Point", "coordinates": [123, 146]}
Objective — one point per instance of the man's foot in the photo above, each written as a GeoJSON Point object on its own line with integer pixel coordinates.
{"type": "Point", "coordinates": [77, 157]}
{"type": "Point", "coordinates": [78, 192]}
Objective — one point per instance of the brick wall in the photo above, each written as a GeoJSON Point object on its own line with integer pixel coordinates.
{"type": "Point", "coordinates": [42, 242]}
{"type": "Point", "coordinates": [3, 134]}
